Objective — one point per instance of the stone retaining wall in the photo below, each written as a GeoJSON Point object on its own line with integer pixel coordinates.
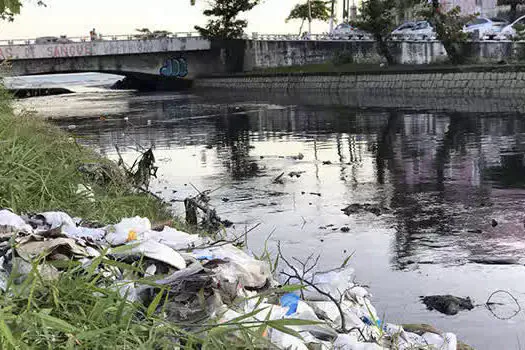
{"type": "Point", "coordinates": [453, 83]}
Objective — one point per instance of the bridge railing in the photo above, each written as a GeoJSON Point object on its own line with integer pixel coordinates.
{"type": "Point", "coordinates": [65, 39]}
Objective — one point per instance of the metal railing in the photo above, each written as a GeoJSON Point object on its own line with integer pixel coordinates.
{"type": "Point", "coordinates": [194, 35]}
{"type": "Point", "coordinates": [79, 39]}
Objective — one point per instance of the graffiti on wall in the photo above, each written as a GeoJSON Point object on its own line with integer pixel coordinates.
{"type": "Point", "coordinates": [174, 67]}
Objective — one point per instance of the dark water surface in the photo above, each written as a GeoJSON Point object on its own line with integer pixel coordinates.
{"type": "Point", "coordinates": [439, 179]}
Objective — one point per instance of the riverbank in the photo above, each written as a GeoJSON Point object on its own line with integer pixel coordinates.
{"type": "Point", "coordinates": [493, 80]}
{"type": "Point", "coordinates": [44, 168]}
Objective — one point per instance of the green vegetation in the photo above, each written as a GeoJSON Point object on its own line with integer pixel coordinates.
{"type": "Point", "coordinates": [224, 23]}
{"type": "Point", "coordinates": [10, 8]}
{"type": "Point", "coordinates": [378, 18]}
{"type": "Point", "coordinates": [40, 171]}
{"type": "Point", "coordinates": [316, 10]}
{"type": "Point", "coordinates": [449, 29]}
{"type": "Point", "coordinates": [513, 7]}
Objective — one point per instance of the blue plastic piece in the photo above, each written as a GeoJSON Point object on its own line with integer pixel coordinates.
{"type": "Point", "coordinates": [368, 322]}
{"type": "Point", "coordinates": [290, 300]}
{"type": "Point", "coordinates": [205, 257]}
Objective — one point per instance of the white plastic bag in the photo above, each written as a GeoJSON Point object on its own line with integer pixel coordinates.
{"type": "Point", "coordinates": [350, 342]}
{"type": "Point", "coordinates": [156, 251]}
{"type": "Point", "coordinates": [14, 222]}
{"type": "Point", "coordinates": [241, 267]}
{"type": "Point", "coordinates": [92, 234]}
{"type": "Point", "coordinates": [330, 311]}
{"type": "Point", "coordinates": [59, 219]}
{"type": "Point", "coordinates": [446, 341]}
{"type": "Point", "coordinates": [173, 238]}
{"type": "Point", "coordinates": [127, 230]}
{"type": "Point", "coordinates": [334, 282]}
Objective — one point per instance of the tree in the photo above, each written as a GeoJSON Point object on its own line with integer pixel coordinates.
{"type": "Point", "coordinates": [10, 8]}
{"type": "Point", "coordinates": [513, 7]}
{"type": "Point", "coordinates": [378, 18]}
{"type": "Point", "coordinates": [449, 29]}
{"type": "Point", "coordinates": [225, 24]}
{"type": "Point", "coordinates": [320, 10]}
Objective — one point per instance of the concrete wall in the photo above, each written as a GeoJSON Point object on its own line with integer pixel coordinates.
{"type": "Point", "coordinates": [270, 54]}
{"type": "Point", "coordinates": [426, 83]}
{"type": "Point", "coordinates": [102, 48]}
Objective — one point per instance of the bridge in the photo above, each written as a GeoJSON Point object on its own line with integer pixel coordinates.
{"type": "Point", "coordinates": [183, 55]}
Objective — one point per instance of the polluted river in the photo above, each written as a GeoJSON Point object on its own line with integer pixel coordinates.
{"type": "Point", "coordinates": [434, 200]}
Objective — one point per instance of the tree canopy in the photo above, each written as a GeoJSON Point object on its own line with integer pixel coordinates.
{"type": "Point", "coordinates": [10, 8]}
{"type": "Point", "coordinates": [513, 6]}
{"type": "Point", "coordinates": [320, 11]}
{"type": "Point", "coordinates": [224, 23]}
{"type": "Point", "coordinates": [378, 18]}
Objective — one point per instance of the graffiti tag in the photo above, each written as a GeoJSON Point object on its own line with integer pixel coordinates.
{"type": "Point", "coordinates": [174, 67]}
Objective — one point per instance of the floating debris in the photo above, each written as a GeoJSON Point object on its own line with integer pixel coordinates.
{"type": "Point", "coordinates": [447, 304]}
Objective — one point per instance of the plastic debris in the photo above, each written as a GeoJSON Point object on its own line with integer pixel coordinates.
{"type": "Point", "coordinates": [206, 283]}
{"type": "Point", "coordinates": [56, 249]}
{"type": "Point", "coordinates": [156, 251]}
{"type": "Point", "coordinates": [290, 301]}
{"type": "Point", "coordinates": [10, 222]}
{"type": "Point", "coordinates": [127, 230]}
{"type": "Point", "coordinates": [241, 267]}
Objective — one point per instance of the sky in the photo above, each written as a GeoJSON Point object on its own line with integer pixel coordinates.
{"type": "Point", "coordinates": [113, 17]}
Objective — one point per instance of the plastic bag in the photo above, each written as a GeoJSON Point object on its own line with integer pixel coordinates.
{"type": "Point", "coordinates": [92, 234]}
{"type": "Point", "coordinates": [127, 230]}
{"type": "Point", "coordinates": [335, 282]}
{"type": "Point", "coordinates": [290, 301]}
{"type": "Point", "coordinates": [241, 267]}
{"type": "Point", "coordinates": [12, 221]}
{"type": "Point", "coordinates": [350, 342]}
{"type": "Point", "coordinates": [173, 238]}
{"type": "Point", "coordinates": [58, 219]}
{"type": "Point", "coordinates": [328, 310]}
{"type": "Point", "coordinates": [156, 251]}
{"type": "Point", "coordinates": [446, 341]}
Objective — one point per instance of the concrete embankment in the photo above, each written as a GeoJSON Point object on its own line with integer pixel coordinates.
{"type": "Point", "coordinates": [449, 81]}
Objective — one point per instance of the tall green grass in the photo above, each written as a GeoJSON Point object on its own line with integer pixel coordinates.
{"type": "Point", "coordinates": [39, 171]}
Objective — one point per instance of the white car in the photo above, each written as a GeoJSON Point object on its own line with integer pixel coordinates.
{"type": "Point", "coordinates": [488, 28]}
{"type": "Point", "coordinates": [422, 30]}
{"type": "Point", "coordinates": [401, 32]}
{"type": "Point", "coordinates": [510, 31]}
{"type": "Point", "coordinates": [345, 31]}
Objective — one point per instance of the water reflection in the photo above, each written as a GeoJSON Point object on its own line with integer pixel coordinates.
{"type": "Point", "coordinates": [442, 175]}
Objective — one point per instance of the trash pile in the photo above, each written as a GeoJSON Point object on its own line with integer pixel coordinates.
{"type": "Point", "coordinates": [210, 281]}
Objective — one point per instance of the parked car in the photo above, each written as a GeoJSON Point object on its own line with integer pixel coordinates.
{"type": "Point", "coordinates": [401, 32]}
{"type": "Point", "coordinates": [346, 31]}
{"type": "Point", "coordinates": [487, 28]}
{"type": "Point", "coordinates": [509, 31]}
{"type": "Point", "coordinates": [422, 30]}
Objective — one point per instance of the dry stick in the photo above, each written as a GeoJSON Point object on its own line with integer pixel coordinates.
{"type": "Point", "coordinates": [278, 179]}
{"type": "Point", "coordinates": [223, 242]}
{"type": "Point", "coordinates": [298, 277]}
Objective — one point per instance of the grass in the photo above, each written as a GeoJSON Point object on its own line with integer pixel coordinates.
{"type": "Point", "coordinates": [81, 308]}
{"type": "Point", "coordinates": [39, 171]}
